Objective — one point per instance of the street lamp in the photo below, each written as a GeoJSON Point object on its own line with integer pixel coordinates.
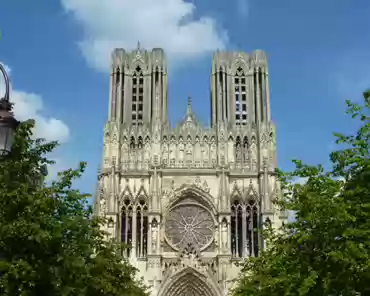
{"type": "Point", "coordinates": [8, 123]}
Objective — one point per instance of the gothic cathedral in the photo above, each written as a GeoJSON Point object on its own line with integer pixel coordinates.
{"type": "Point", "coordinates": [189, 199]}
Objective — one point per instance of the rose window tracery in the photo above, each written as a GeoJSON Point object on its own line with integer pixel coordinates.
{"type": "Point", "coordinates": [189, 224]}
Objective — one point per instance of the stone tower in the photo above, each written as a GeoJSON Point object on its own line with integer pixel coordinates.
{"type": "Point", "coordinates": [188, 198]}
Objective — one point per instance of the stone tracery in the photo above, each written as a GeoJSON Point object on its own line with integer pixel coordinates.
{"type": "Point", "coordinates": [189, 223]}
{"type": "Point", "coordinates": [134, 226]}
{"type": "Point", "coordinates": [245, 228]}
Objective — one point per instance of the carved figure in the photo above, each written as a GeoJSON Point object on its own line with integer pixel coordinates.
{"type": "Point", "coordinates": [205, 152]}
{"type": "Point", "coordinates": [172, 151]}
{"type": "Point", "coordinates": [213, 152]}
{"type": "Point", "coordinates": [197, 152]}
{"type": "Point", "coordinates": [181, 151]}
{"type": "Point", "coordinates": [102, 203]}
{"type": "Point", "coordinates": [224, 234]}
{"type": "Point", "coordinates": [238, 153]}
{"type": "Point", "coordinates": [154, 236]}
{"type": "Point", "coordinates": [230, 151]}
{"type": "Point", "coordinates": [147, 152]}
{"type": "Point", "coordinates": [189, 151]}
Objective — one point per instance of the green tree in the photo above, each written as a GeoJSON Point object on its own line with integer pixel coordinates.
{"type": "Point", "coordinates": [50, 243]}
{"type": "Point", "coordinates": [326, 250]}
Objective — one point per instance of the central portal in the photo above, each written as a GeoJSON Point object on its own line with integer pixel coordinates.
{"type": "Point", "coordinates": [189, 282]}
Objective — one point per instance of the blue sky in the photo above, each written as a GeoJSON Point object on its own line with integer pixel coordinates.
{"type": "Point", "coordinates": [319, 55]}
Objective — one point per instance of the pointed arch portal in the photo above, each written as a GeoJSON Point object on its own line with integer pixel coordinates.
{"type": "Point", "coordinates": [189, 282]}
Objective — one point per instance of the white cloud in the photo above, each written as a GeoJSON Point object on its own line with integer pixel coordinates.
{"type": "Point", "coordinates": [170, 24]}
{"type": "Point", "coordinates": [30, 106]}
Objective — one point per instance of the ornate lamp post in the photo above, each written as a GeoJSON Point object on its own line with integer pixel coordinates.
{"type": "Point", "coordinates": [8, 123]}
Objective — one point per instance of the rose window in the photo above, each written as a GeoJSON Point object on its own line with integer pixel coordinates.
{"type": "Point", "coordinates": [189, 224]}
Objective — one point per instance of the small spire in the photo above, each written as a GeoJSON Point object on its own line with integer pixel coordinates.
{"type": "Point", "coordinates": [138, 45]}
{"type": "Point", "coordinates": [189, 111]}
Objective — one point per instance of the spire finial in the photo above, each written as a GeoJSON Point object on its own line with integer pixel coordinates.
{"type": "Point", "coordinates": [138, 45]}
{"type": "Point", "coordinates": [189, 111]}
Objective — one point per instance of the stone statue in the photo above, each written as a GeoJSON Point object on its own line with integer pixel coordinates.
{"type": "Point", "coordinates": [230, 151]}
{"type": "Point", "coordinates": [213, 153]}
{"type": "Point", "coordinates": [147, 152]}
{"type": "Point", "coordinates": [197, 152]}
{"type": "Point", "coordinates": [132, 159]}
{"type": "Point", "coordinates": [246, 155]}
{"type": "Point", "coordinates": [205, 152]}
{"type": "Point", "coordinates": [140, 156]}
{"type": "Point", "coordinates": [238, 153]}
{"type": "Point", "coordinates": [102, 203]}
{"type": "Point", "coordinates": [172, 151]}
{"type": "Point", "coordinates": [224, 234]}
{"type": "Point", "coordinates": [253, 153]}
{"type": "Point", "coordinates": [154, 236]}
{"type": "Point", "coordinates": [246, 248]}
{"type": "Point", "coordinates": [164, 153]}
{"type": "Point", "coordinates": [181, 151]}
{"type": "Point", "coordinates": [189, 152]}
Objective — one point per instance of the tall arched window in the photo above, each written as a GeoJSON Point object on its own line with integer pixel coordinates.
{"type": "Point", "coordinates": [137, 97]}
{"type": "Point", "coordinates": [141, 228]}
{"type": "Point", "coordinates": [252, 228]}
{"type": "Point", "coordinates": [245, 229]}
{"type": "Point", "coordinates": [236, 229]}
{"type": "Point", "coordinates": [241, 112]}
{"type": "Point", "coordinates": [127, 225]}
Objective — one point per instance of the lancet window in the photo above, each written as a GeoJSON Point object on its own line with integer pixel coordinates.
{"type": "Point", "coordinates": [127, 225]}
{"type": "Point", "coordinates": [134, 227]}
{"type": "Point", "coordinates": [142, 229]}
{"type": "Point", "coordinates": [241, 112]}
{"type": "Point", "coordinates": [245, 229]}
{"type": "Point", "coordinates": [137, 96]}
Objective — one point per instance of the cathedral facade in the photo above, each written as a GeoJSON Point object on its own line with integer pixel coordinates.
{"type": "Point", "coordinates": [190, 200]}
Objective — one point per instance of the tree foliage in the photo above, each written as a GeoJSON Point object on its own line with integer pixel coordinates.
{"type": "Point", "coordinates": [326, 250]}
{"type": "Point", "coordinates": [50, 243]}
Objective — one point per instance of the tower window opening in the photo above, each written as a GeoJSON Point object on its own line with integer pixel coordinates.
{"type": "Point", "coordinates": [240, 97]}
{"type": "Point", "coordinates": [137, 96]}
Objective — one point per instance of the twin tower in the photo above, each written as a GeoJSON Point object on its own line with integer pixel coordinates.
{"type": "Point", "coordinates": [239, 88]}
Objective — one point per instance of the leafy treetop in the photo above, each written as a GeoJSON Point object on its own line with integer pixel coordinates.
{"type": "Point", "coordinates": [326, 250]}
{"type": "Point", "coordinates": [50, 243]}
